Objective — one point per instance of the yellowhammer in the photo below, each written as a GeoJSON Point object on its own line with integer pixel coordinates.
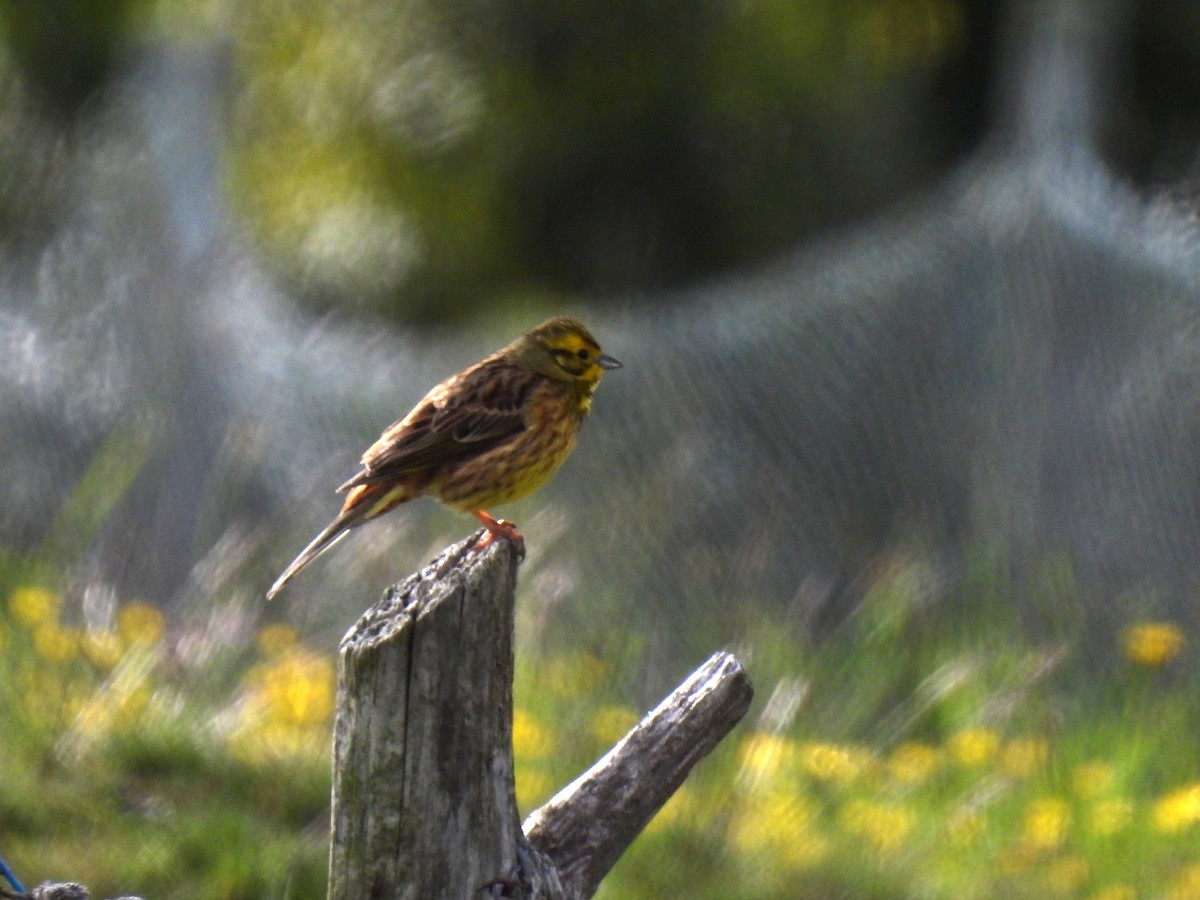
{"type": "Point", "coordinates": [493, 433]}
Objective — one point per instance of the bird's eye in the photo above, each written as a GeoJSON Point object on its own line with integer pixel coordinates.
{"type": "Point", "coordinates": [582, 354]}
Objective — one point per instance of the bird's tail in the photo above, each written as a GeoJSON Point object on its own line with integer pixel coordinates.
{"type": "Point", "coordinates": [334, 532]}
{"type": "Point", "coordinates": [365, 502]}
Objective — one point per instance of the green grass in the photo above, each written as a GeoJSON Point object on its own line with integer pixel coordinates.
{"type": "Point", "coordinates": [115, 776]}
{"type": "Point", "coordinates": [931, 748]}
{"type": "Point", "coordinates": [928, 747]}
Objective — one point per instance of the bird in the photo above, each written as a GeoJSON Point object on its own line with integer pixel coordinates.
{"type": "Point", "coordinates": [491, 434]}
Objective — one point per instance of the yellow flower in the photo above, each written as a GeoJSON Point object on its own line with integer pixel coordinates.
{"type": "Point", "coordinates": [31, 606]}
{"type": "Point", "coordinates": [1115, 892]}
{"type": "Point", "coordinates": [778, 824]}
{"type": "Point", "coordinates": [974, 746]}
{"type": "Point", "coordinates": [1024, 757]}
{"type": "Point", "coordinates": [1153, 644]}
{"type": "Point", "coordinates": [140, 623]}
{"type": "Point", "coordinates": [964, 826]}
{"type": "Point", "coordinates": [885, 826]}
{"type": "Point", "coordinates": [530, 739]}
{"type": "Point", "coordinates": [121, 700]}
{"type": "Point", "coordinates": [834, 762]}
{"type": "Point", "coordinates": [574, 674]}
{"type": "Point", "coordinates": [1178, 810]}
{"type": "Point", "coordinates": [610, 723]}
{"type": "Point", "coordinates": [533, 786]}
{"type": "Point", "coordinates": [286, 707]}
{"type": "Point", "coordinates": [101, 647]}
{"type": "Point", "coordinates": [1067, 874]}
{"type": "Point", "coordinates": [55, 644]}
{"type": "Point", "coordinates": [276, 639]}
{"type": "Point", "coordinates": [1017, 860]}
{"type": "Point", "coordinates": [1047, 821]}
{"type": "Point", "coordinates": [299, 689]}
{"type": "Point", "coordinates": [1092, 778]}
{"type": "Point", "coordinates": [763, 754]}
{"type": "Point", "coordinates": [1186, 884]}
{"type": "Point", "coordinates": [913, 762]}
{"type": "Point", "coordinates": [277, 740]}
{"type": "Point", "coordinates": [1110, 815]}
{"type": "Point", "coordinates": [802, 849]}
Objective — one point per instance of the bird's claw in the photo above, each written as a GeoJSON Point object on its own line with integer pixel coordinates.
{"type": "Point", "coordinates": [500, 528]}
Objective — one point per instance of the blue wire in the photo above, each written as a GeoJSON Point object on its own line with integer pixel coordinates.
{"type": "Point", "coordinates": [11, 878]}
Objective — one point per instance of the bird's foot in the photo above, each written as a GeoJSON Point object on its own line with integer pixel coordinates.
{"type": "Point", "coordinates": [499, 528]}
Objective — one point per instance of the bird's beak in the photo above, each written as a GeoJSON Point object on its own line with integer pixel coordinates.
{"type": "Point", "coordinates": [607, 362]}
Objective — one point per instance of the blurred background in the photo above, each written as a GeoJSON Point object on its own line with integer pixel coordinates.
{"type": "Point", "coordinates": [906, 293]}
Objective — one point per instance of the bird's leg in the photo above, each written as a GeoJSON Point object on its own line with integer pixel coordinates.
{"type": "Point", "coordinates": [499, 528]}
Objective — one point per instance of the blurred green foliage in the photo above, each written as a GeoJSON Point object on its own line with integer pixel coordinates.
{"type": "Point", "coordinates": [64, 48]}
{"type": "Point", "coordinates": [420, 158]}
{"type": "Point", "coordinates": [424, 159]}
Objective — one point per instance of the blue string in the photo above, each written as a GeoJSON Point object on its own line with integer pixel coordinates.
{"type": "Point", "coordinates": [11, 878]}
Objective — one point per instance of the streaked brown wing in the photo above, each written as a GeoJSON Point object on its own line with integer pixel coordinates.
{"type": "Point", "coordinates": [462, 417]}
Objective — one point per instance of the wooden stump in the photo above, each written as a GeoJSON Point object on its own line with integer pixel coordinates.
{"type": "Point", "coordinates": [423, 802]}
{"type": "Point", "coordinates": [423, 797]}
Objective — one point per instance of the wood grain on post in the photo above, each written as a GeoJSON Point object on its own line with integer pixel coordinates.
{"type": "Point", "coordinates": [423, 802]}
{"type": "Point", "coordinates": [423, 797]}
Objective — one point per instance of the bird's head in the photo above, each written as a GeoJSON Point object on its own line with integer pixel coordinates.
{"type": "Point", "coordinates": [564, 351]}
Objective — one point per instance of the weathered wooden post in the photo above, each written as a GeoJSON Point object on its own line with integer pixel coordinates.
{"type": "Point", "coordinates": [423, 798]}
{"type": "Point", "coordinates": [423, 802]}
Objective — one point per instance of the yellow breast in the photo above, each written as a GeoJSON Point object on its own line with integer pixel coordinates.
{"type": "Point", "coordinates": [523, 463]}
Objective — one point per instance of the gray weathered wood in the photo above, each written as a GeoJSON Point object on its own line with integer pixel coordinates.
{"type": "Point", "coordinates": [423, 802]}
{"type": "Point", "coordinates": [423, 797]}
{"type": "Point", "coordinates": [589, 823]}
